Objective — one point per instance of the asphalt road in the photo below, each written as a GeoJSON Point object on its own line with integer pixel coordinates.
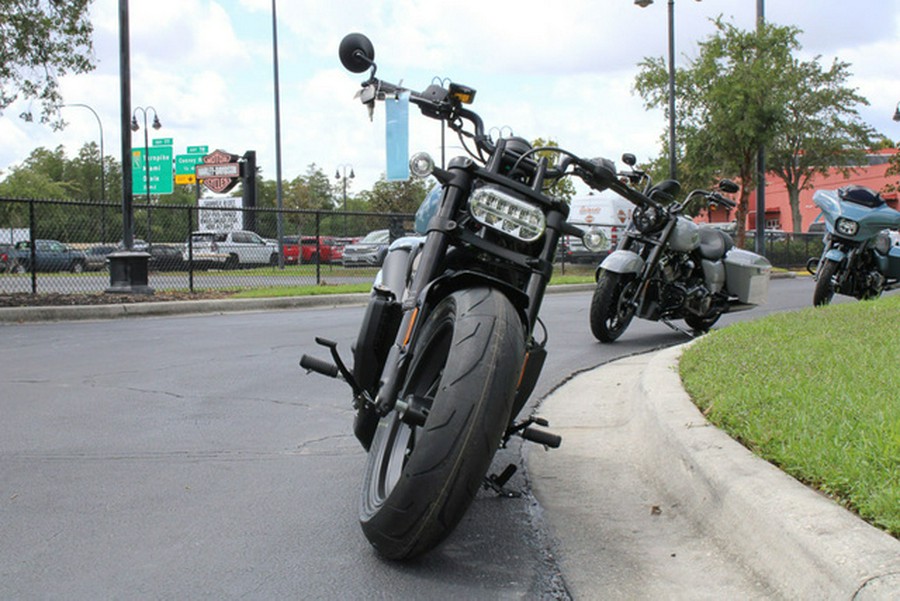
{"type": "Point", "coordinates": [189, 457]}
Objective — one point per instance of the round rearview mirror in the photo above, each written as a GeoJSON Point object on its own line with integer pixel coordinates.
{"type": "Point", "coordinates": [728, 186]}
{"type": "Point", "coordinates": [356, 52]}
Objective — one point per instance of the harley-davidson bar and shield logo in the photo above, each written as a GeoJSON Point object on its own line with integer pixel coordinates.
{"type": "Point", "coordinates": [220, 171]}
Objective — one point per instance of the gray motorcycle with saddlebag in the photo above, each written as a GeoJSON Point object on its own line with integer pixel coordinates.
{"type": "Point", "coordinates": [666, 267]}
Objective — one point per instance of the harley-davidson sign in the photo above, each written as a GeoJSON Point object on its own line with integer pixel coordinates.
{"type": "Point", "coordinates": [219, 172]}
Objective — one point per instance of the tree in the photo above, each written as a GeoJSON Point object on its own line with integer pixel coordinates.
{"type": "Point", "coordinates": [893, 169]}
{"type": "Point", "coordinates": [397, 196]}
{"type": "Point", "coordinates": [41, 40]}
{"type": "Point", "coordinates": [563, 189]}
{"type": "Point", "coordinates": [821, 129]}
{"type": "Point", "coordinates": [731, 101]}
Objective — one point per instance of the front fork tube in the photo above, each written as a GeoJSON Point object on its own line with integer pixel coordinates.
{"type": "Point", "coordinates": [430, 261]}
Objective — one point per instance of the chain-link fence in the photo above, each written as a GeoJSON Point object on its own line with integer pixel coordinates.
{"type": "Point", "coordinates": [63, 247]}
{"type": "Point", "coordinates": [51, 246]}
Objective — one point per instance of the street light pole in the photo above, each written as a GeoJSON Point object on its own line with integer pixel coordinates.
{"type": "Point", "coordinates": [337, 175]}
{"type": "Point", "coordinates": [279, 195]}
{"type": "Point", "coordinates": [673, 172]}
{"type": "Point", "coordinates": [127, 269]}
{"type": "Point", "coordinates": [102, 168]}
{"type": "Point", "coordinates": [134, 127]}
{"type": "Point", "coordinates": [760, 245]}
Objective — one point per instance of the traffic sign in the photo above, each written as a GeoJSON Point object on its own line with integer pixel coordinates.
{"type": "Point", "coordinates": [184, 163]}
{"type": "Point", "coordinates": [162, 142]}
{"type": "Point", "coordinates": [197, 149]}
{"type": "Point", "coordinates": [184, 179]}
{"type": "Point", "coordinates": [161, 181]}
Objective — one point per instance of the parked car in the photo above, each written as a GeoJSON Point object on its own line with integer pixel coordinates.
{"type": "Point", "coordinates": [49, 255]}
{"type": "Point", "coordinates": [291, 250]}
{"type": "Point", "coordinates": [165, 257]}
{"type": "Point", "coordinates": [97, 256]}
{"type": "Point", "coordinates": [230, 249]}
{"type": "Point", "coordinates": [6, 250]}
{"type": "Point", "coordinates": [369, 251]}
{"type": "Point", "coordinates": [326, 251]}
{"type": "Point", "coordinates": [136, 244]}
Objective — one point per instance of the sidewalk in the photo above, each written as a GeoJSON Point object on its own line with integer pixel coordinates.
{"type": "Point", "coordinates": [790, 541]}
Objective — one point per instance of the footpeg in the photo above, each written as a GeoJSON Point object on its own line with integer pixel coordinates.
{"type": "Point", "coordinates": [320, 367]}
{"type": "Point", "coordinates": [337, 369]}
{"type": "Point", "coordinates": [524, 429]}
{"type": "Point", "coordinates": [548, 439]}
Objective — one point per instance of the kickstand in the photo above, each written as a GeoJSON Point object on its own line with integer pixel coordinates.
{"type": "Point", "coordinates": [497, 482]}
{"type": "Point", "coordinates": [689, 333]}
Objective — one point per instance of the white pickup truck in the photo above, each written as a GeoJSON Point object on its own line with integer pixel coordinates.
{"type": "Point", "coordinates": [230, 249]}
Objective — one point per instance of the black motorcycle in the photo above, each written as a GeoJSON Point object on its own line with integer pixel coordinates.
{"type": "Point", "coordinates": [447, 356]}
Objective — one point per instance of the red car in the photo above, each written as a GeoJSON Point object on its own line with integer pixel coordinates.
{"type": "Point", "coordinates": [291, 250]}
{"type": "Point", "coordinates": [303, 249]}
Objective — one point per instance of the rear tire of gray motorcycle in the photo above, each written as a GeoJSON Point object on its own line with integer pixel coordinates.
{"type": "Point", "coordinates": [419, 481]}
{"type": "Point", "coordinates": [608, 318]}
{"type": "Point", "coordinates": [824, 287]}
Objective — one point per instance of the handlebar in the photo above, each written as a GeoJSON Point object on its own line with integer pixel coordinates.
{"type": "Point", "coordinates": [438, 102]}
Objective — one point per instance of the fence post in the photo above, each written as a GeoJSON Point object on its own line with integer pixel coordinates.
{"type": "Point", "coordinates": [190, 243]}
{"type": "Point", "coordinates": [318, 255]}
{"type": "Point", "coordinates": [32, 224]}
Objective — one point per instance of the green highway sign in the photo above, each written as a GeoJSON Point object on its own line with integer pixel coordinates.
{"type": "Point", "coordinates": [184, 163]}
{"type": "Point", "coordinates": [161, 177]}
{"type": "Point", "coordinates": [184, 166]}
{"type": "Point", "coordinates": [162, 142]}
{"type": "Point", "coordinates": [197, 150]}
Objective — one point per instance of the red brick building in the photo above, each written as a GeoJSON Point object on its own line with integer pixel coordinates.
{"type": "Point", "coordinates": [778, 207]}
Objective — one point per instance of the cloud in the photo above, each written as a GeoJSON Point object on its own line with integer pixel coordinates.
{"type": "Point", "coordinates": [565, 73]}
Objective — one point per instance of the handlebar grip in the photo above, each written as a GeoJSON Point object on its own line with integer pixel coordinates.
{"type": "Point", "coordinates": [725, 202]}
{"type": "Point", "coordinates": [317, 365]}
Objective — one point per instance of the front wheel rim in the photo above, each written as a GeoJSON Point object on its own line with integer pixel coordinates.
{"type": "Point", "coordinates": [396, 442]}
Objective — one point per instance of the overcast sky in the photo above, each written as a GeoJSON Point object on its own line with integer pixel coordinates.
{"type": "Point", "coordinates": [562, 70]}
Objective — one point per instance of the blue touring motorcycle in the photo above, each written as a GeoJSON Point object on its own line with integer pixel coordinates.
{"type": "Point", "coordinates": [859, 259]}
{"type": "Point", "coordinates": [451, 344]}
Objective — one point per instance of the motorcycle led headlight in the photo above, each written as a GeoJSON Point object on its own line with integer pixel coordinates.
{"type": "Point", "coordinates": [505, 213]}
{"type": "Point", "coordinates": [846, 227]}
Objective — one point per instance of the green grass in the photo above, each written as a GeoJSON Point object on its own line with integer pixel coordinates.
{"type": "Point", "coordinates": [301, 291]}
{"type": "Point", "coordinates": [817, 393]}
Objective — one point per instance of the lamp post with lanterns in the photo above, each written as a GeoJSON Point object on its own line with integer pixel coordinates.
{"type": "Point", "coordinates": [134, 127]}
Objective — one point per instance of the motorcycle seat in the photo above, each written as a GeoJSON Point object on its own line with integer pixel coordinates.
{"type": "Point", "coordinates": [714, 243]}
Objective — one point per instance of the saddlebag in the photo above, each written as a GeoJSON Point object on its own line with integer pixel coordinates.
{"type": "Point", "coordinates": [747, 276]}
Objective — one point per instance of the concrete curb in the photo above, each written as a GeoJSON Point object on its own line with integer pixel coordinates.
{"type": "Point", "coordinates": [811, 547]}
{"type": "Point", "coordinates": [162, 308]}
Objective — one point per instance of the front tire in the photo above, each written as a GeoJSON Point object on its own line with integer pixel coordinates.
{"type": "Point", "coordinates": [824, 283]}
{"type": "Point", "coordinates": [610, 313]}
{"type": "Point", "coordinates": [420, 480]}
